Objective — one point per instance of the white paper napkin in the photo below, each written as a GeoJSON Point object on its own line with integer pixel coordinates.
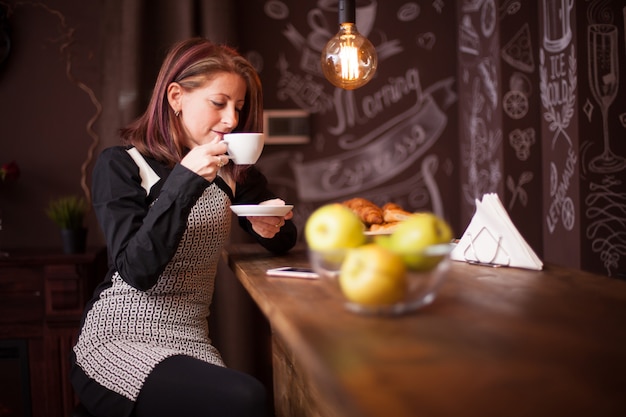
{"type": "Point", "coordinates": [492, 238]}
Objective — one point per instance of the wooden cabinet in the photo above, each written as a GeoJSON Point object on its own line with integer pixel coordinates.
{"type": "Point", "coordinates": [42, 296]}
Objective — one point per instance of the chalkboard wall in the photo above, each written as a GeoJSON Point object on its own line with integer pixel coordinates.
{"type": "Point", "coordinates": [582, 62]}
{"type": "Point", "coordinates": [391, 140]}
{"type": "Point", "coordinates": [499, 110]}
{"type": "Point", "coordinates": [471, 97]}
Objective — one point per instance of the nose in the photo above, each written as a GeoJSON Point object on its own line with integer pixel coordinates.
{"type": "Point", "coordinates": [230, 117]}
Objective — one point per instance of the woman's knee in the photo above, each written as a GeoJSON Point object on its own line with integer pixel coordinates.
{"type": "Point", "coordinates": [198, 388]}
{"type": "Point", "coordinates": [250, 396]}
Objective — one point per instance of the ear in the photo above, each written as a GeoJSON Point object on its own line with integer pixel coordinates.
{"type": "Point", "coordinates": [175, 96]}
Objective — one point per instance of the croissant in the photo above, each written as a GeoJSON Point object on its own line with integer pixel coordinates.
{"type": "Point", "coordinates": [368, 212]}
{"type": "Point", "coordinates": [384, 227]}
{"type": "Point", "coordinates": [394, 213]}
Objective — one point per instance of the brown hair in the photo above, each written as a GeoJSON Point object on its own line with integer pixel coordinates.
{"type": "Point", "coordinates": [157, 133]}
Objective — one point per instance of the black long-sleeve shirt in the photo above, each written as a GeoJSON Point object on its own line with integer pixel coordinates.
{"type": "Point", "coordinates": [143, 231]}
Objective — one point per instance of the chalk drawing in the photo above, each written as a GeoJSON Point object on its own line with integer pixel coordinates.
{"type": "Point", "coordinates": [515, 104]}
{"type": "Point", "coordinates": [603, 72]}
{"type": "Point", "coordinates": [479, 154]}
{"type": "Point", "coordinates": [509, 8]}
{"type": "Point", "coordinates": [606, 230]}
{"type": "Point", "coordinates": [488, 73]}
{"type": "Point", "coordinates": [561, 208]}
{"type": "Point", "coordinates": [471, 6]}
{"type": "Point", "coordinates": [558, 84]}
{"type": "Point", "coordinates": [518, 51]}
{"type": "Point", "coordinates": [408, 12]}
{"type": "Point", "coordinates": [517, 189]}
{"type": "Point", "coordinates": [302, 89]}
{"type": "Point", "coordinates": [599, 11]}
{"type": "Point", "coordinates": [429, 169]}
{"type": "Point", "coordinates": [426, 40]}
{"type": "Point", "coordinates": [349, 112]}
{"type": "Point", "coordinates": [522, 141]}
{"type": "Point", "coordinates": [557, 30]}
{"type": "Point", "coordinates": [276, 9]}
{"type": "Point", "coordinates": [406, 118]}
{"type": "Point", "coordinates": [479, 151]}
{"type": "Point", "coordinates": [469, 41]}
{"type": "Point", "coordinates": [392, 148]}
{"type": "Point", "coordinates": [554, 179]}
{"type": "Point", "coordinates": [605, 204]}
{"type": "Point", "coordinates": [488, 18]}
{"type": "Point", "coordinates": [515, 101]}
{"type": "Point", "coordinates": [438, 5]}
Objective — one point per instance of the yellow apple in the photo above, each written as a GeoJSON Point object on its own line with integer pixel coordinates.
{"type": "Point", "coordinates": [372, 275]}
{"type": "Point", "coordinates": [333, 226]}
{"type": "Point", "coordinates": [414, 235]}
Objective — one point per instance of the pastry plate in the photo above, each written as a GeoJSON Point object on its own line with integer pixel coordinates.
{"type": "Point", "coordinates": [377, 232]}
{"type": "Point", "coordinates": [261, 210]}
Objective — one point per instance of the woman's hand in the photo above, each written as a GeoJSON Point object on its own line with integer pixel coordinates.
{"type": "Point", "coordinates": [268, 226]}
{"type": "Point", "coordinates": [206, 160]}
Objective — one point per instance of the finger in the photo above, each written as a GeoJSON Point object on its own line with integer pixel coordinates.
{"type": "Point", "coordinates": [267, 226]}
{"type": "Point", "coordinates": [279, 224]}
{"type": "Point", "coordinates": [265, 230]}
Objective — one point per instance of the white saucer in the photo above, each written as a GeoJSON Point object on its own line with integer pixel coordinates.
{"type": "Point", "coordinates": [261, 210]}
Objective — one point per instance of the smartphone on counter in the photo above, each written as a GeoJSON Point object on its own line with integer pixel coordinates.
{"type": "Point", "coordinates": [293, 272]}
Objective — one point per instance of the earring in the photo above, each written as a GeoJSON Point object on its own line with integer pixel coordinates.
{"type": "Point", "coordinates": [177, 113]}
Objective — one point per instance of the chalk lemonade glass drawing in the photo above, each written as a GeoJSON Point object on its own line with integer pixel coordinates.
{"type": "Point", "coordinates": [556, 24]}
{"type": "Point", "coordinates": [604, 83]}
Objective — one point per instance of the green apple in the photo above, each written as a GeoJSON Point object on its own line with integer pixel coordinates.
{"type": "Point", "coordinates": [383, 240]}
{"type": "Point", "coordinates": [413, 235]}
{"type": "Point", "coordinates": [333, 226]}
{"type": "Point", "coordinates": [372, 275]}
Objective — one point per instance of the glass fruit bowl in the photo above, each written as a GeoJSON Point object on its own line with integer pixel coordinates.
{"type": "Point", "coordinates": [369, 280]}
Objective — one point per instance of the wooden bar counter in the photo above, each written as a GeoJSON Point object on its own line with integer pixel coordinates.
{"type": "Point", "coordinates": [495, 342]}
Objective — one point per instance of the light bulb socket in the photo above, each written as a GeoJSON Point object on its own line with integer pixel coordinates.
{"type": "Point", "coordinates": [349, 59]}
{"type": "Point", "coordinates": [347, 11]}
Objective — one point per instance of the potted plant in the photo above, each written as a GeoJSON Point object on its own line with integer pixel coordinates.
{"type": "Point", "coordinates": [69, 214]}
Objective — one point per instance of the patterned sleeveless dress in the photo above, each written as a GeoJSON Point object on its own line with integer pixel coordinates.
{"type": "Point", "coordinates": [128, 332]}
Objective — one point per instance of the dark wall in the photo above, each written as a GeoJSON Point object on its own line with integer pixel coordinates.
{"type": "Point", "coordinates": [471, 97]}
{"type": "Point", "coordinates": [583, 101]}
{"type": "Point", "coordinates": [47, 86]}
{"type": "Point", "coordinates": [441, 123]}
{"type": "Point", "coordinates": [393, 139]}
{"type": "Point", "coordinates": [499, 119]}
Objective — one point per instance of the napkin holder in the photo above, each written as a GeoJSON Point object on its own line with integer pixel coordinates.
{"type": "Point", "coordinates": [485, 248]}
{"type": "Point", "coordinates": [492, 239]}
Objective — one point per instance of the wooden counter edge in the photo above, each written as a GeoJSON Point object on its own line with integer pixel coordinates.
{"type": "Point", "coordinates": [290, 335]}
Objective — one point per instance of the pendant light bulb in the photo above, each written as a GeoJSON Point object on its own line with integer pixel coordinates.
{"type": "Point", "coordinates": [349, 59]}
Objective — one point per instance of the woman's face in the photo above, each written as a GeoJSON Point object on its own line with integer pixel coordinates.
{"type": "Point", "coordinates": [210, 111]}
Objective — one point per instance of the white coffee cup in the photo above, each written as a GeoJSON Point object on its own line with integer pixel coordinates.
{"type": "Point", "coordinates": [244, 148]}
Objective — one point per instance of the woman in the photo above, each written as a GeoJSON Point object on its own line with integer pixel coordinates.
{"type": "Point", "coordinates": [163, 204]}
